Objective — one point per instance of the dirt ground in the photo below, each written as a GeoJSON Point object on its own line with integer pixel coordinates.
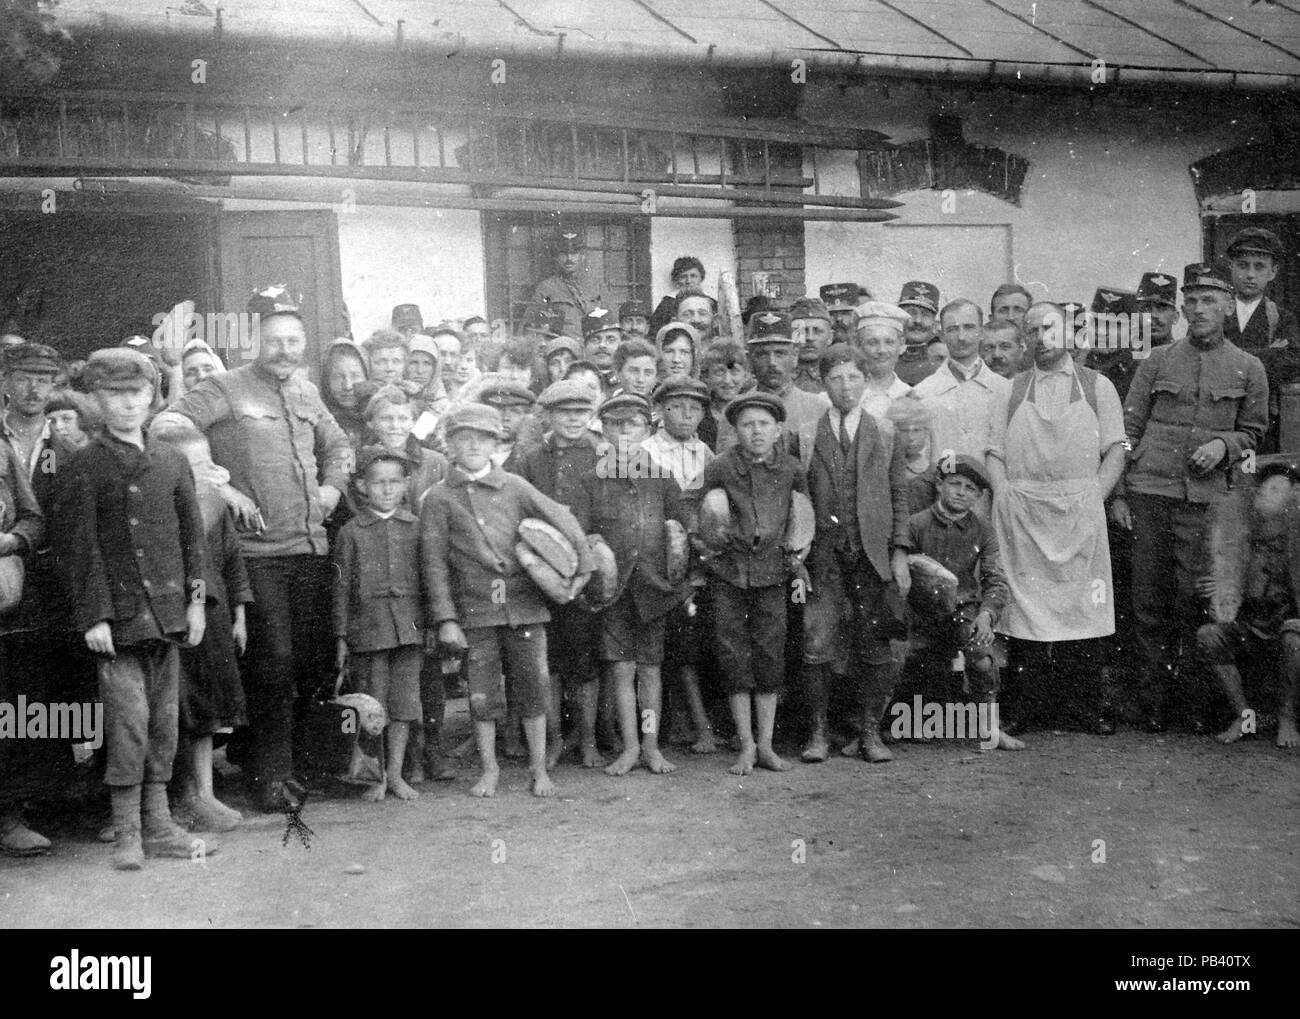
{"type": "Point", "coordinates": [1195, 835]}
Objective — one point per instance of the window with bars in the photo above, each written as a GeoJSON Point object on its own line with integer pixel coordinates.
{"type": "Point", "coordinates": [520, 253]}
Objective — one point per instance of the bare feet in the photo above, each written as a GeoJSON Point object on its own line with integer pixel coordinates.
{"type": "Point", "coordinates": [1234, 732]}
{"type": "Point", "coordinates": [745, 762]}
{"type": "Point", "coordinates": [375, 793]}
{"type": "Point", "coordinates": [486, 786]}
{"type": "Point", "coordinates": [816, 751]}
{"type": "Point", "coordinates": [1006, 742]}
{"type": "Point", "coordinates": [706, 744]}
{"type": "Point", "coordinates": [542, 785]}
{"type": "Point", "coordinates": [401, 790]}
{"type": "Point", "coordinates": [874, 750]}
{"type": "Point", "coordinates": [851, 748]}
{"type": "Point", "coordinates": [656, 762]}
{"type": "Point", "coordinates": [624, 763]}
{"type": "Point", "coordinates": [591, 756]}
{"type": "Point", "coordinates": [1287, 736]}
{"type": "Point", "coordinates": [768, 759]}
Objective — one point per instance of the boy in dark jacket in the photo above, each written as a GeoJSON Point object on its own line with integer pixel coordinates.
{"type": "Point", "coordinates": [128, 537]}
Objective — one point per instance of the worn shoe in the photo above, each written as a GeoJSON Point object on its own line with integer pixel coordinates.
{"type": "Point", "coordinates": [170, 841]}
{"type": "Point", "coordinates": [128, 852]}
{"type": "Point", "coordinates": [873, 748]}
{"type": "Point", "coordinates": [19, 840]}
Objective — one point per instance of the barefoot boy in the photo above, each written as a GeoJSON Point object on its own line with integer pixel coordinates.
{"type": "Point", "coordinates": [628, 507]}
{"type": "Point", "coordinates": [480, 600]}
{"type": "Point", "coordinates": [1266, 627]}
{"type": "Point", "coordinates": [128, 537]}
{"type": "Point", "coordinates": [748, 586]}
{"type": "Point", "coordinates": [377, 605]}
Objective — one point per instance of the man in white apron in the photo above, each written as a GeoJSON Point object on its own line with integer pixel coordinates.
{"type": "Point", "coordinates": [1059, 452]}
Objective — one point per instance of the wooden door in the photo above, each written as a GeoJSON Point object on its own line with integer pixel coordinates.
{"type": "Point", "coordinates": [297, 249]}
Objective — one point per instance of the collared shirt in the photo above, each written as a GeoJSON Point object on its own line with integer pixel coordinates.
{"type": "Point", "coordinates": [963, 413]}
{"type": "Point", "coordinates": [876, 401]}
{"type": "Point", "coordinates": [682, 459]}
{"type": "Point", "coordinates": [850, 420]}
{"type": "Point", "coordinates": [964, 374]}
{"type": "Point", "coordinates": [803, 411]}
{"type": "Point", "coordinates": [968, 547]}
{"type": "Point", "coordinates": [1244, 310]}
{"type": "Point", "coordinates": [275, 438]}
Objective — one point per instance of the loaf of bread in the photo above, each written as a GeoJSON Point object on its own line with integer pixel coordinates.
{"type": "Point", "coordinates": [549, 544]}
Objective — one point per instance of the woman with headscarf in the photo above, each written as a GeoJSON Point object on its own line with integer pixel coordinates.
{"type": "Point", "coordinates": [343, 387]}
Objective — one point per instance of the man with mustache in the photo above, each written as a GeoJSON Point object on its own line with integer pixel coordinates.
{"type": "Point", "coordinates": [268, 427]}
{"type": "Point", "coordinates": [1195, 408]}
{"type": "Point", "coordinates": [774, 360]}
{"type": "Point", "coordinates": [921, 302]}
{"type": "Point", "coordinates": [1001, 347]}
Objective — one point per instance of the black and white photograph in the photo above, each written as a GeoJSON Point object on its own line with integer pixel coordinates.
{"type": "Point", "coordinates": [641, 464]}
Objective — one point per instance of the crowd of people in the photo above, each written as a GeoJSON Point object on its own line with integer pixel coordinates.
{"type": "Point", "coordinates": [602, 527]}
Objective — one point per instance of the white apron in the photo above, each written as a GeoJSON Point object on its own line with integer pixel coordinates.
{"type": "Point", "coordinates": [1053, 532]}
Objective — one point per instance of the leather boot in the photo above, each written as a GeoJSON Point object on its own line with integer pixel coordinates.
{"type": "Point", "coordinates": [128, 852]}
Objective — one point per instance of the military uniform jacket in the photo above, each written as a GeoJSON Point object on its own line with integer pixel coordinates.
{"type": "Point", "coordinates": [128, 533]}
{"type": "Point", "coordinates": [468, 530]}
{"type": "Point", "coordinates": [1182, 397]}
{"type": "Point", "coordinates": [562, 295]}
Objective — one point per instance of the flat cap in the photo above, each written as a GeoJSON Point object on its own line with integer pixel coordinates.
{"type": "Point", "coordinates": [967, 467]}
{"type": "Point", "coordinates": [769, 327]}
{"type": "Point", "coordinates": [506, 393]}
{"type": "Point", "coordinates": [118, 366]}
{"type": "Point", "coordinates": [883, 314]}
{"type": "Point", "coordinates": [368, 455]}
{"type": "Point", "coordinates": [567, 394]}
{"type": "Point", "coordinates": [809, 307]}
{"type": "Point", "coordinates": [682, 387]}
{"type": "Point", "coordinates": [754, 398]}
{"type": "Point", "coordinates": [920, 294]}
{"type": "Point", "coordinates": [31, 357]}
{"type": "Point", "coordinates": [1256, 238]}
{"type": "Point", "coordinates": [477, 417]}
{"type": "Point", "coordinates": [1206, 275]}
{"type": "Point", "coordinates": [275, 299]}
{"type": "Point", "coordinates": [624, 405]}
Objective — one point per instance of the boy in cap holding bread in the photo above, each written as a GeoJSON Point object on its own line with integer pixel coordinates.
{"type": "Point", "coordinates": [376, 604]}
{"type": "Point", "coordinates": [480, 600]}
{"type": "Point", "coordinates": [630, 505]}
{"type": "Point", "coordinates": [556, 467]}
{"type": "Point", "coordinates": [750, 570]}
{"type": "Point", "coordinates": [128, 538]}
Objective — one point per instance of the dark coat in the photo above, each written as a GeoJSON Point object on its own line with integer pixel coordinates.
{"type": "Point", "coordinates": [377, 582]}
{"type": "Point", "coordinates": [759, 495]}
{"type": "Point", "coordinates": [128, 534]}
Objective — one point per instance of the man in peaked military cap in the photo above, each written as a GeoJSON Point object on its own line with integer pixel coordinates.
{"type": "Point", "coordinates": [810, 325]}
{"type": "Point", "coordinates": [563, 291]}
{"type": "Point", "coordinates": [774, 360]}
{"type": "Point", "coordinates": [921, 302]}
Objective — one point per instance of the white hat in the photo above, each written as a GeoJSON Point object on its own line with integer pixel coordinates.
{"type": "Point", "coordinates": [882, 313]}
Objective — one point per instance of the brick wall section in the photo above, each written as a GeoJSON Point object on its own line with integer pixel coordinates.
{"type": "Point", "coordinates": [774, 246]}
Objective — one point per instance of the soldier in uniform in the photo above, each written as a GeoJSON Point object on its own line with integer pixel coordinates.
{"type": "Point", "coordinates": [600, 338]}
{"type": "Point", "coordinates": [921, 302]}
{"type": "Point", "coordinates": [563, 290]}
{"type": "Point", "coordinates": [773, 359]}
{"type": "Point", "coordinates": [1195, 408]}
{"type": "Point", "coordinates": [841, 300]}
{"type": "Point", "coordinates": [634, 319]}
{"type": "Point", "coordinates": [810, 325]}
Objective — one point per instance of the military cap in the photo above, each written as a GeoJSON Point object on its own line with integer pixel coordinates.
{"type": "Point", "coordinates": [1205, 275]}
{"type": "Point", "coordinates": [567, 394]}
{"type": "Point", "coordinates": [407, 316]}
{"type": "Point", "coordinates": [368, 455]}
{"type": "Point", "coordinates": [754, 398]}
{"type": "Point", "coordinates": [630, 309]}
{"type": "Point", "coordinates": [681, 387]}
{"type": "Point", "coordinates": [840, 296]}
{"type": "Point", "coordinates": [1158, 288]}
{"type": "Point", "coordinates": [597, 321]}
{"type": "Point", "coordinates": [112, 367]}
{"type": "Point", "coordinates": [769, 327]}
{"type": "Point", "coordinates": [809, 307]}
{"type": "Point", "coordinates": [624, 405]}
{"type": "Point", "coordinates": [920, 294]}
{"type": "Point", "coordinates": [967, 467]}
{"type": "Point", "coordinates": [275, 299]}
{"type": "Point", "coordinates": [477, 417]}
{"type": "Point", "coordinates": [547, 321]}
{"type": "Point", "coordinates": [1113, 301]}
{"type": "Point", "coordinates": [506, 393]}
{"type": "Point", "coordinates": [1256, 238]}
{"type": "Point", "coordinates": [568, 241]}
{"type": "Point", "coordinates": [881, 313]}
{"type": "Point", "coordinates": [422, 343]}
{"type": "Point", "coordinates": [756, 305]}
{"type": "Point", "coordinates": [560, 343]}
{"type": "Point", "coordinates": [31, 357]}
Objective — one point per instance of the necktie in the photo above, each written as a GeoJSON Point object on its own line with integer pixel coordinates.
{"type": "Point", "coordinates": [846, 440]}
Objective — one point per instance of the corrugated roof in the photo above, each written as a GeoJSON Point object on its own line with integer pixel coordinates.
{"type": "Point", "coordinates": [1193, 41]}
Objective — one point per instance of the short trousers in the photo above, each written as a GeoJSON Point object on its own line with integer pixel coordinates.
{"type": "Point", "coordinates": [749, 623]}
{"type": "Point", "coordinates": [492, 650]}
{"type": "Point", "coordinates": [392, 677]}
{"type": "Point", "coordinates": [626, 637]}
